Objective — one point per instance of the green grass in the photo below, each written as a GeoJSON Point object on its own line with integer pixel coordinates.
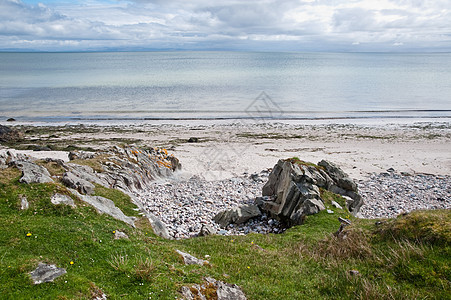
{"type": "Point", "coordinates": [405, 258]}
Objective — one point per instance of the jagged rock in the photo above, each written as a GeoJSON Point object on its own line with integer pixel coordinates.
{"type": "Point", "coordinates": [120, 235]}
{"type": "Point", "coordinates": [62, 199]}
{"type": "Point", "coordinates": [191, 260]}
{"type": "Point", "coordinates": [83, 186]}
{"type": "Point", "coordinates": [206, 230]}
{"type": "Point", "coordinates": [23, 203]}
{"type": "Point", "coordinates": [292, 190]}
{"type": "Point", "coordinates": [340, 178]}
{"type": "Point", "coordinates": [237, 215]}
{"type": "Point", "coordinates": [46, 273]}
{"type": "Point", "coordinates": [9, 135]}
{"type": "Point", "coordinates": [31, 172]}
{"type": "Point", "coordinates": [104, 205]}
{"type": "Point", "coordinates": [212, 287]}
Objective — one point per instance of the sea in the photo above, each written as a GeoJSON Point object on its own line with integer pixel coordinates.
{"type": "Point", "coordinates": [137, 86]}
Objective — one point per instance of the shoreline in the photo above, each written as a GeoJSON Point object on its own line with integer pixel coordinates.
{"type": "Point", "coordinates": [220, 150]}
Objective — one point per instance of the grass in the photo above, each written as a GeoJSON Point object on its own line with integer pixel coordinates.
{"type": "Point", "coordinates": [404, 258]}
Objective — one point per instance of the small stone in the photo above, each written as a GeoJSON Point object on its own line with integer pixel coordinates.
{"type": "Point", "coordinates": [120, 235]}
{"type": "Point", "coordinates": [23, 203]}
{"type": "Point", "coordinates": [46, 273]}
{"type": "Point", "coordinates": [191, 260]}
{"type": "Point", "coordinates": [354, 272]}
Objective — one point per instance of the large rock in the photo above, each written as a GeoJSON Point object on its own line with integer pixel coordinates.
{"type": "Point", "coordinates": [46, 273]}
{"type": "Point", "coordinates": [31, 172]}
{"type": "Point", "coordinates": [81, 185]}
{"type": "Point", "coordinates": [8, 134]}
{"type": "Point", "coordinates": [237, 215]}
{"type": "Point", "coordinates": [292, 191]}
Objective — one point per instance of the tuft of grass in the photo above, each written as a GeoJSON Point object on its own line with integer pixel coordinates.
{"type": "Point", "coordinates": [420, 226]}
{"type": "Point", "coordinates": [305, 262]}
{"type": "Point", "coordinates": [296, 160]}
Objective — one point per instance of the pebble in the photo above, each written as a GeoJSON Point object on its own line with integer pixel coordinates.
{"type": "Point", "coordinates": [184, 205]}
{"type": "Point", "coordinates": [387, 195]}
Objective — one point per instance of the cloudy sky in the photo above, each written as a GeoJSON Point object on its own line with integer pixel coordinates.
{"type": "Point", "coordinates": [253, 25]}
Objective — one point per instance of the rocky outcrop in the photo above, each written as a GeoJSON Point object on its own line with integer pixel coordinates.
{"type": "Point", "coordinates": [292, 190]}
{"type": "Point", "coordinates": [46, 273]}
{"type": "Point", "coordinates": [237, 215]}
{"type": "Point", "coordinates": [213, 289]}
{"type": "Point", "coordinates": [32, 173]}
{"type": "Point", "coordinates": [129, 169]}
{"type": "Point", "coordinates": [8, 134]}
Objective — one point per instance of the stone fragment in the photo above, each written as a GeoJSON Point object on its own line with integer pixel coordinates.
{"type": "Point", "coordinates": [336, 205]}
{"type": "Point", "coordinates": [32, 173]}
{"type": "Point", "coordinates": [120, 235]}
{"type": "Point", "coordinates": [158, 227]}
{"type": "Point", "coordinates": [191, 260]}
{"type": "Point", "coordinates": [23, 203]}
{"type": "Point", "coordinates": [206, 230]}
{"type": "Point", "coordinates": [62, 199]}
{"type": "Point", "coordinates": [46, 273]}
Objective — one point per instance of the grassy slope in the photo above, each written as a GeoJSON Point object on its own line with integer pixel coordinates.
{"type": "Point", "coordinates": [306, 262]}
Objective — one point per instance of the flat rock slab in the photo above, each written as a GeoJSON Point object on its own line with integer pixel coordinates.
{"type": "Point", "coordinates": [32, 173]}
{"type": "Point", "coordinates": [191, 260]}
{"type": "Point", "coordinates": [105, 206]}
{"type": "Point", "coordinates": [46, 273]}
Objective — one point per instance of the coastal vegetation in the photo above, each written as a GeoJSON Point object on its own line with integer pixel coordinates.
{"type": "Point", "coordinates": [403, 258]}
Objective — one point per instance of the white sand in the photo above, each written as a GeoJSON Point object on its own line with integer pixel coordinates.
{"type": "Point", "coordinates": [226, 150]}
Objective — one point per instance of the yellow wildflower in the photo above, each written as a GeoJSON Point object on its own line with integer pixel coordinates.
{"type": "Point", "coordinates": [71, 262]}
{"type": "Point", "coordinates": [29, 234]}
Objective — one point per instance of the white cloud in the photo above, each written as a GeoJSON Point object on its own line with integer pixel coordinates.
{"type": "Point", "coordinates": [339, 25]}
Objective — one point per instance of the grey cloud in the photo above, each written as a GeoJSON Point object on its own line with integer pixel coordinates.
{"type": "Point", "coordinates": [336, 25]}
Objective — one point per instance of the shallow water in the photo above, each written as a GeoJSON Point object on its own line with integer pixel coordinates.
{"type": "Point", "coordinates": [222, 85]}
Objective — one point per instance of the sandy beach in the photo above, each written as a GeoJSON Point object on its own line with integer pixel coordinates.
{"type": "Point", "coordinates": [223, 150]}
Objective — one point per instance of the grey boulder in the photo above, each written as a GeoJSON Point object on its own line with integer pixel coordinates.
{"type": "Point", "coordinates": [32, 173]}
{"type": "Point", "coordinates": [237, 215]}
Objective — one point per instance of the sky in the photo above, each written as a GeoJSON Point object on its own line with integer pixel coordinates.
{"type": "Point", "coordinates": [239, 25]}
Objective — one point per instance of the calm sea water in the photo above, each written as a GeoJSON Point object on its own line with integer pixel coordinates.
{"type": "Point", "coordinates": [167, 85]}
